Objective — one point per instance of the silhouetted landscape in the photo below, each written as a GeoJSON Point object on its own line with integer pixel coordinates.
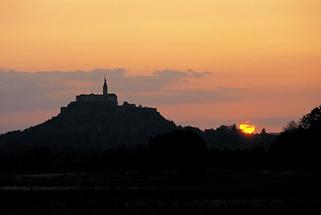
{"type": "Point", "coordinates": [98, 157]}
{"type": "Point", "coordinates": [160, 107]}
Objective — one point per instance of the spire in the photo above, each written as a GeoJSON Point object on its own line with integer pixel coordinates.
{"type": "Point", "coordinates": [105, 88]}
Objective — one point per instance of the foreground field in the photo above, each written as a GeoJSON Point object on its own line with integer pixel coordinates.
{"type": "Point", "coordinates": [219, 192]}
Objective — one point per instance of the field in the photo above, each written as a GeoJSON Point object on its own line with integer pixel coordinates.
{"type": "Point", "coordinates": [219, 192]}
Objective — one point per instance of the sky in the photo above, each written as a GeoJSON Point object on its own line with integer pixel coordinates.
{"type": "Point", "coordinates": [201, 63]}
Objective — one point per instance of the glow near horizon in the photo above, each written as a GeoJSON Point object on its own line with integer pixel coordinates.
{"type": "Point", "coordinates": [247, 128]}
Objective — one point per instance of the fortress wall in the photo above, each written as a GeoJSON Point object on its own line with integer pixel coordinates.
{"type": "Point", "coordinates": [92, 98]}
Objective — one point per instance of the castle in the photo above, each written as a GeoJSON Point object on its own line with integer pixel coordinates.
{"type": "Point", "coordinates": [109, 99]}
{"type": "Point", "coordinates": [105, 100]}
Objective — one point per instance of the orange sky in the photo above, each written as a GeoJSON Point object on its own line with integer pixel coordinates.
{"type": "Point", "coordinates": [143, 35]}
{"type": "Point", "coordinates": [266, 43]}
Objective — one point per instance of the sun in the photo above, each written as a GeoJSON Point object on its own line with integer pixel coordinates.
{"type": "Point", "coordinates": [247, 128]}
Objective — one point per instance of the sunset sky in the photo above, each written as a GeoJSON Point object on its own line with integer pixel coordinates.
{"type": "Point", "coordinates": [201, 63]}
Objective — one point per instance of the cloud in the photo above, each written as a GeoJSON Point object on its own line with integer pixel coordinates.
{"type": "Point", "coordinates": [21, 91]}
{"type": "Point", "coordinates": [179, 94]}
{"type": "Point", "coordinates": [219, 94]}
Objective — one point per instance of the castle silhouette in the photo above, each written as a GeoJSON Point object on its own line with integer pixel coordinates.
{"type": "Point", "coordinates": [106, 99]}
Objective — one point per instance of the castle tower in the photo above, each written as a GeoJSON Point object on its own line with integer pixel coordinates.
{"type": "Point", "coordinates": [105, 88]}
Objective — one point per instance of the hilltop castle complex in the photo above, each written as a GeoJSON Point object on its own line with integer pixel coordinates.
{"type": "Point", "coordinates": [96, 121]}
{"type": "Point", "coordinates": [105, 100]}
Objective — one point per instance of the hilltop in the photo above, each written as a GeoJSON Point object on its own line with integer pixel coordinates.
{"type": "Point", "coordinates": [93, 121]}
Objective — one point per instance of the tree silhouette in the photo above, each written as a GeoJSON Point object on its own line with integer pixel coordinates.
{"type": "Point", "coordinates": [312, 120]}
{"type": "Point", "coordinates": [291, 126]}
{"type": "Point", "coordinates": [263, 132]}
{"type": "Point", "coordinates": [299, 144]}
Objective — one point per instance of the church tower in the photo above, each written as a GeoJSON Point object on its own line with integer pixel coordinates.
{"type": "Point", "coordinates": [105, 88]}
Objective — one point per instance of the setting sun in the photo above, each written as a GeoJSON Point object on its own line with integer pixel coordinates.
{"type": "Point", "coordinates": [247, 128]}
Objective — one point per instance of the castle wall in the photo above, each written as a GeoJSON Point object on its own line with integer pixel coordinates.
{"type": "Point", "coordinates": [93, 98]}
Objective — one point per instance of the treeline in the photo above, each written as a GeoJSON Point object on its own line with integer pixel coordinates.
{"type": "Point", "coordinates": [183, 151]}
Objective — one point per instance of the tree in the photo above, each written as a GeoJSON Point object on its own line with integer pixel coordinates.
{"type": "Point", "coordinates": [299, 143]}
{"type": "Point", "coordinates": [312, 119]}
{"type": "Point", "coordinates": [291, 126]}
{"type": "Point", "coordinates": [263, 131]}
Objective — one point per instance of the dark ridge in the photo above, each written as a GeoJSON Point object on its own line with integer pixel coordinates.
{"type": "Point", "coordinates": [92, 122]}
{"type": "Point", "coordinates": [94, 125]}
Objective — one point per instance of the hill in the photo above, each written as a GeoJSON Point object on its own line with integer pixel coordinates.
{"type": "Point", "coordinates": [97, 125]}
